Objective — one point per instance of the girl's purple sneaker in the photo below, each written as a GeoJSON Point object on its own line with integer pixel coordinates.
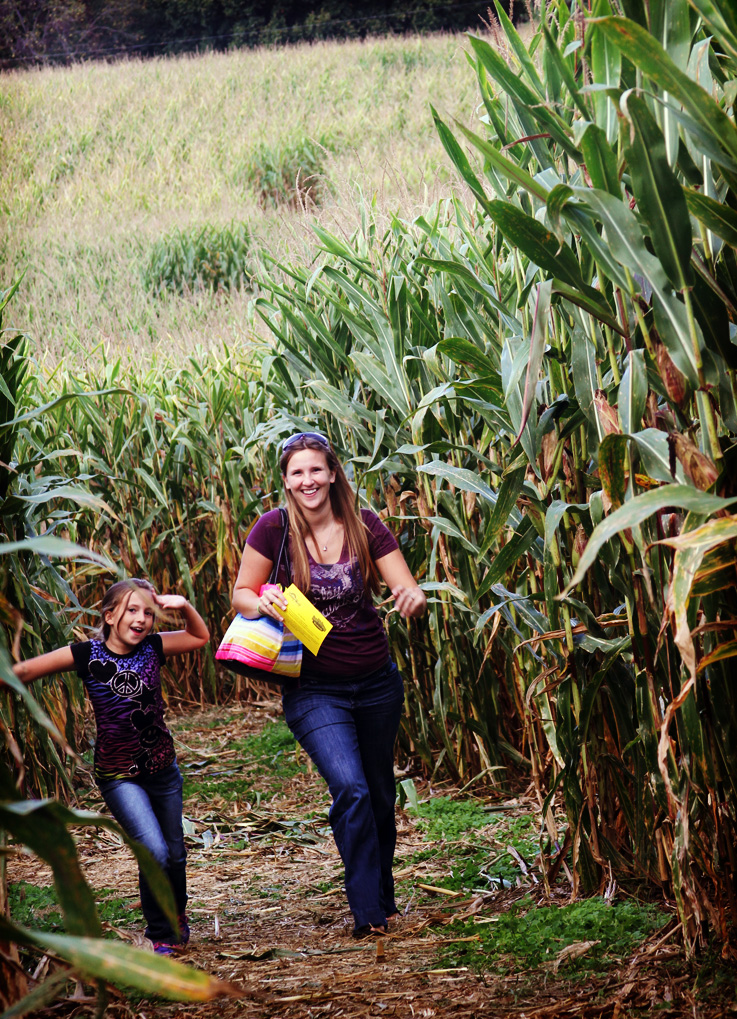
{"type": "Point", "coordinates": [163, 948]}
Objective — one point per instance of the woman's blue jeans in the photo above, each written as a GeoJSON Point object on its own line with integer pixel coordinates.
{"type": "Point", "coordinates": [348, 727]}
{"type": "Point", "coordinates": [149, 809]}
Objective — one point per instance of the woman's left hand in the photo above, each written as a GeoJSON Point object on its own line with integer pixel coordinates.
{"type": "Point", "coordinates": [409, 602]}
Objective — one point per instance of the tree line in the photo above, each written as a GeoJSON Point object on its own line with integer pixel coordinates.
{"type": "Point", "coordinates": [60, 31]}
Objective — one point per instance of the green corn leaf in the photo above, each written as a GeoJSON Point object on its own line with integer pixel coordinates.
{"type": "Point", "coordinates": [59, 548]}
{"type": "Point", "coordinates": [464, 352]}
{"type": "Point", "coordinates": [520, 50]}
{"type": "Point", "coordinates": [336, 246]}
{"type": "Point", "coordinates": [506, 167]}
{"type": "Point", "coordinates": [37, 412]}
{"type": "Point", "coordinates": [721, 219]}
{"type": "Point", "coordinates": [582, 221]}
{"type": "Point", "coordinates": [32, 706]}
{"type": "Point", "coordinates": [561, 66]}
{"type": "Point", "coordinates": [660, 197]}
{"type": "Point", "coordinates": [557, 200]}
{"type": "Point", "coordinates": [6, 295]}
{"type": "Point", "coordinates": [42, 825]}
{"type": "Point", "coordinates": [612, 462]}
{"type": "Point", "coordinates": [706, 537]}
{"type": "Point", "coordinates": [633, 392]}
{"type": "Point", "coordinates": [506, 499]}
{"type": "Point", "coordinates": [537, 242]}
{"type": "Point", "coordinates": [462, 272]}
{"type": "Point", "coordinates": [720, 17]}
{"type": "Point", "coordinates": [585, 380]}
{"type": "Point", "coordinates": [525, 97]}
{"type": "Point", "coordinates": [36, 824]}
{"type": "Point", "coordinates": [537, 349]}
{"type": "Point", "coordinates": [627, 245]}
{"type": "Point", "coordinates": [445, 526]}
{"type": "Point", "coordinates": [634, 511]}
{"type": "Point", "coordinates": [507, 557]}
{"type": "Point", "coordinates": [380, 382]}
{"type": "Point", "coordinates": [648, 55]}
{"type": "Point", "coordinates": [600, 159]}
{"type": "Point", "coordinates": [380, 324]}
{"type": "Point", "coordinates": [592, 690]}
{"type": "Point", "coordinates": [714, 314]}
{"type": "Point", "coordinates": [606, 67]}
{"type": "Point", "coordinates": [653, 447]}
{"type": "Point", "coordinates": [116, 963]}
{"type": "Point", "coordinates": [461, 478]}
{"type": "Point", "coordinates": [595, 306]}
{"type": "Point", "coordinates": [513, 363]}
{"type": "Point", "coordinates": [716, 572]}
{"type": "Point", "coordinates": [459, 159]}
{"type": "Point", "coordinates": [73, 493]}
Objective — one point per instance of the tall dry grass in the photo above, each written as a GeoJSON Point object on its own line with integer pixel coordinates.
{"type": "Point", "coordinates": [102, 160]}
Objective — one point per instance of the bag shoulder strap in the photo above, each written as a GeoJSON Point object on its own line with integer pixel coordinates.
{"type": "Point", "coordinates": [283, 550]}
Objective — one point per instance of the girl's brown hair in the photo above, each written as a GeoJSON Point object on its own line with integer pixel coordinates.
{"type": "Point", "coordinates": [115, 595]}
{"type": "Point", "coordinates": [343, 504]}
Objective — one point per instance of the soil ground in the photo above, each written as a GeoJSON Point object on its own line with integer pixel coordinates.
{"type": "Point", "coordinates": [268, 911]}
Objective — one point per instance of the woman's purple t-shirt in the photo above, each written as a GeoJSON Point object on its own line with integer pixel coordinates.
{"type": "Point", "coordinates": [357, 643]}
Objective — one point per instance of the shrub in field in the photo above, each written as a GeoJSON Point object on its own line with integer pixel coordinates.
{"type": "Point", "coordinates": [291, 173]}
{"type": "Point", "coordinates": [210, 258]}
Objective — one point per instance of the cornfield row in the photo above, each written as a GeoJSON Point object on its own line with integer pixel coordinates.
{"type": "Point", "coordinates": [540, 391]}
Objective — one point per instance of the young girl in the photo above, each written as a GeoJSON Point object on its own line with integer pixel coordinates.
{"type": "Point", "coordinates": [346, 709]}
{"type": "Point", "coordinates": [135, 763]}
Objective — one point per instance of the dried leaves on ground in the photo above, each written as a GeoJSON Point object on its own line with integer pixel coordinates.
{"type": "Point", "coordinates": [268, 911]}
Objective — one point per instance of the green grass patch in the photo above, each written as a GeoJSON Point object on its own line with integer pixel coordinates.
{"type": "Point", "coordinates": [289, 173]}
{"type": "Point", "coordinates": [209, 258]}
{"type": "Point", "coordinates": [528, 936]}
{"type": "Point", "coordinates": [482, 859]}
{"type": "Point", "coordinates": [38, 907]}
{"type": "Point", "coordinates": [273, 749]}
{"type": "Point", "coordinates": [453, 820]}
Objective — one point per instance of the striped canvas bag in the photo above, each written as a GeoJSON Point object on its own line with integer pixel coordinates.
{"type": "Point", "coordinates": [262, 647]}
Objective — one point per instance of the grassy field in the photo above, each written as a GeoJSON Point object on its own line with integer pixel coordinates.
{"type": "Point", "coordinates": [103, 162]}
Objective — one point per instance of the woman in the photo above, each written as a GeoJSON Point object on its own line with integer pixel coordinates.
{"type": "Point", "coordinates": [345, 710]}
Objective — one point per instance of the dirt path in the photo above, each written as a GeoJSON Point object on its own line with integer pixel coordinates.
{"type": "Point", "coordinates": [268, 912]}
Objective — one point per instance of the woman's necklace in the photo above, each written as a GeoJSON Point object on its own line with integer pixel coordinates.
{"type": "Point", "coordinates": [327, 542]}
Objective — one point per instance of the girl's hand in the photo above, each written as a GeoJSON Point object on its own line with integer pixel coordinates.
{"type": "Point", "coordinates": [410, 602]}
{"type": "Point", "coordinates": [170, 601]}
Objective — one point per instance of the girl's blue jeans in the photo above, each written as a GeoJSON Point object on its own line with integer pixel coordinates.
{"type": "Point", "coordinates": [348, 727]}
{"type": "Point", "coordinates": [149, 808]}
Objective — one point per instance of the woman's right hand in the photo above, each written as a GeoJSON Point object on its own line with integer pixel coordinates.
{"type": "Point", "coordinates": [272, 602]}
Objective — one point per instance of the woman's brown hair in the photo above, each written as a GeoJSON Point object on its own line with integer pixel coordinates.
{"type": "Point", "coordinates": [117, 593]}
{"type": "Point", "coordinates": [343, 505]}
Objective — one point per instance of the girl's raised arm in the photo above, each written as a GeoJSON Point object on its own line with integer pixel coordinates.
{"type": "Point", "coordinates": [195, 632]}
{"type": "Point", "coordinates": [60, 660]}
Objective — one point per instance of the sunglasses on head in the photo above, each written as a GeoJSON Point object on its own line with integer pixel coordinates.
{"type": "Point", "coordinates": [305, 435]}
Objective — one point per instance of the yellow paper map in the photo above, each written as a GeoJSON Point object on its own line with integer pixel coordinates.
{"type": "Point", "coordinates": [303, 619]}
